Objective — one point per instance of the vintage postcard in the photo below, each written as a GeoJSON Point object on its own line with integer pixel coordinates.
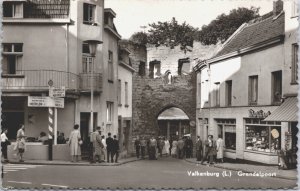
{"type": "Point", "coordinates": [149, 94]}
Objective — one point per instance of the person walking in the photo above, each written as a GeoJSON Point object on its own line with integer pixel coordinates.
{"type": "Point", "coordinates": [174, 148]}
{"type": "Point", "coordinates": [115, 149]}
{"type": "Point", "coordinates": [74, 143]}
{"type": "Point", "coordinates": [4, 143]}
{"type": "Point", "coordinates": [206, 150]}
{"type": "Point", "coordinates": [137, 145]}
{"type": "Point", "coordinates": [180, 147]}
{"type": "Point", "coordinates": [211, 149]}
{"type": "Point", "coordinates": [143, 147]}
{"type": "Point", "coordinates": [166, 147]}
{"type": "Point", "coordinates": [161, 144]}
{"type": "Point", "coordinates": [21, 143]}
{"type": "Point", "coordinates": [91, 146]}
{"type": "Point", "coordinates": [109, 143]}
{"type": "Point", "coordinates": [98, 145]}
{"type": "Point", "coordinates": [152, 148]}
{"type": "Point", "coordinates": [220, 149]}
{"type": "Point", "coordinates": [189, 147]}
{"type": "Point", "coordinates": [104, 150]}
{"type": "Point", "coordinates": [199, 149]}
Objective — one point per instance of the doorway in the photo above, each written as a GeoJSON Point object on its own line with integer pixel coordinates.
{"type": "Point", "coordinates": [85, 124]}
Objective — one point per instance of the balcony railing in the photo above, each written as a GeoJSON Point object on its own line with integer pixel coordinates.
{"type": "Point", "coordinates": [85, 81]}
{"type": "Point", "coordinates": [38, 80]}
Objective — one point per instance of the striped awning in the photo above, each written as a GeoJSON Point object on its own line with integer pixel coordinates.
{"type": "Point", "coordinates": [286, 112]}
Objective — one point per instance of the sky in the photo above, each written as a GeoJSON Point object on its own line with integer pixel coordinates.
{"type": "Point", "coordinates": [132, 14]}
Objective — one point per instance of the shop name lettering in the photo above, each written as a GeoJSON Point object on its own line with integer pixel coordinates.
{"type": "Point", "coordinates": [258, 114]}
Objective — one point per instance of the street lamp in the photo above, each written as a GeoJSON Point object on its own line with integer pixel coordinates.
{"type": "Point", "coordinates": [92, 47]}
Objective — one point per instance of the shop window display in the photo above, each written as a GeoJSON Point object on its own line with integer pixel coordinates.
{"type": "Point", "coordinates": [262, 137]}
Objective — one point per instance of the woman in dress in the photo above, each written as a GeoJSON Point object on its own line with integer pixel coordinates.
{"type": "Point", "coordinates": [74, 139]}
{"type": "Point", "coordinates": [20, 146]}
{"type": "Point", "coordinates": [220, 149]}
{"type": "Point", "coordinates": [174, 148]}
{"type": "Point", "coordinates": [166, 147]}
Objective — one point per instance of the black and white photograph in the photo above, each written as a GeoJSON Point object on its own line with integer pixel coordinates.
{"type": "Point", "coordinates": [149, 94]}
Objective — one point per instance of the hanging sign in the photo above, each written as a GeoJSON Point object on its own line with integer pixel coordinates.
{"type": "Point", "coordinates": [57, 92]}
{"type": "Point", "coordinates": [39, 101]}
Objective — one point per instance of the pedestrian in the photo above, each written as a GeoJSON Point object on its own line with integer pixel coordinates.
{"type": "Point", "coordinates": [109, 143]}
{"type": "Point", "coordinates": [74, 143]}
{"type": "Point", "coordinates": [171, 143]}
{"type": "Point", "coordinates": [211, 149]}
{"type": "Point", "coordinates": [143, 147]}
{"type": "Point", "coordinates": [91, 146]}
{"type": "Point", "coordinates": [206, 150]}
{"type": "Point", "coordinates": [97, 144]}
{"type": "Point", "coordinates": [43, 138]}
{"type": "Point", "coordinates": [104, 150]}
{"type": "Point", "coordinates": [199, 149]}
{"type": "Point", "coordinates": [166, 147]}
{"type": "Point", "coordinates": [220, 149]}
{"type": "Point", "coordinates": [152, 148]}
{"type": "Point", "coordinates": [180, 147]}
{"type": "Point", "coordinates": [174, 148]}
{"type": "Point", "coordinates": [137, 145]}
{"type": "Point", "coordinates": [189, 147]}
{"type": "Point", "coordinates": [61, 138]}
{"type": "Point", "coordinates": [4, 143]}
{"type": "Point", "coordinates": [161, 144]}
{"type": "Point", "coordinates": [115, 149]}
{"type": "Point", "coordinates": [21, 142]}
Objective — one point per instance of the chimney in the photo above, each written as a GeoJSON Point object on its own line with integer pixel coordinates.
{"type": "Point", "coordinates": [277, 7]}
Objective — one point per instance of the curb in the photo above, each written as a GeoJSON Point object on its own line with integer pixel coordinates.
{"type": "Point", "coordinates": [74, 164]}
{"type": "Point", "coordinates": [246, 171]}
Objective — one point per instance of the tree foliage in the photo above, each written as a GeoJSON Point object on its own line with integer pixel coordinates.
{"type": "Point", "coordinates": [140, 38]}
{"type": "Point", "coordinates": [224, 25]}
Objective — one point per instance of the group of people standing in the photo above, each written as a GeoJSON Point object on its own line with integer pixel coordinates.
{"type": "Point", "coordinates": [161, 146]}
{"type": "Point", "coordinates": [101, 149]}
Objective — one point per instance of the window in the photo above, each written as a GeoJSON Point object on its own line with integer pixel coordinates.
{"type": "Point", "coordinates": [228, 93]}
{"type": "Point", "coordinates": [253, 90]}
{"type": "Point", "coordinates": [88, 13]}
{"type": "Point", "coordinates": [126, 94]}
{"type": "Point", "coordinates": [261, 136]}
{"type": "Point", "coordinates": [276, 87]}
{"type": "Point", "coordinates": [295, 9]}
{"type": "Point", "coordinates": [142, 69]}
{"type": "Point", "coordinates": [227, 130]}
{"type": "Point", "coordinates": [295, 48]}
{"type": "Point", "coordinates": [109, 111]}
{"type": "Point", "coordinates": [12, 54]}
{"type": "Point", "coordinates": [87, 60]}
{"type": "Point", "coordinates": [154, 69]}
{"type": "Point", "coordinates": [217, 94]}
{"type": "Point", "coordinates": [119, 93]}
{"type": "Point", "coordinates": [13, 9]}
{"type": "Point", "coordinates": [183, 66]}
{"type": "Point", "coordinates": [110, 67]}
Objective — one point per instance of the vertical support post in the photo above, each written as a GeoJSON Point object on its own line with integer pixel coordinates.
{"type": "Point", "coordinates": [179, 134]}
{"type": "Point", "coordinates": [168, 130]}
{"type": "Point", "coordinates": [55, 126]}
{"type": "Point", "coordinates": [92, 96]}
{"type": "Point", "coordinates": [50, 129]}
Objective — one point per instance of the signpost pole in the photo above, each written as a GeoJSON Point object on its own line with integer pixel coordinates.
{"type": "Point", "coordinates": [50, 129]}
{"type": "Point", "coordinates": [55, 126]}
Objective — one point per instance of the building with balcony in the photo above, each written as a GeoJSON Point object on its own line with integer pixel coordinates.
{"type": "Point", "coordinates": [246, 83]}
{"type": "Point", "coordinates": [46, 41]}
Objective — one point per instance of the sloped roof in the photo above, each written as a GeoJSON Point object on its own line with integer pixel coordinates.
{"type": "Point", "coordinates": [254, 32]}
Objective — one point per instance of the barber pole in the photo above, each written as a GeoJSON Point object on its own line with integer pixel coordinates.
{"type": "Point", "coordinates": [50, 129]}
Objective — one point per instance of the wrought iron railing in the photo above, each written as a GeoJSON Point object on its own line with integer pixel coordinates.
{"type": "Point", "coordinates": [38, 79]}
{"type": "Point", "coordinates": [86, 79]}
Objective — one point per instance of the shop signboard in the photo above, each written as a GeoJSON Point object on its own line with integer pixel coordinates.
{"type": "Point", "coordinates": [57, 92]}
{"type": "Point", "coordinates": [39, 101]}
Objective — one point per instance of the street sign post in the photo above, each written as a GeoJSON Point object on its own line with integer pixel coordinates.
{"type": "Point", "coordinates": [57, 92]}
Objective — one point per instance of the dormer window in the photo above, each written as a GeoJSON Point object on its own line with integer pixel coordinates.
{"type": "Point", "coordinates": [89, 13]}
{"type": "Point", "coordinates": [13, 9]}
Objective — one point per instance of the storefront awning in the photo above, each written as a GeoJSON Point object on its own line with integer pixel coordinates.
{"type": "Point", "coordinates": [286, 112]}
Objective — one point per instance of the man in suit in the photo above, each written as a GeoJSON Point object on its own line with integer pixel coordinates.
{"type": "Point", "coordinates": [210, 147]}
{"type": "Point", "coordinates": [115, 149]}
{"type": "Point", "coordinates": [180, 147]}
{"type": "Point", "coordinates": [137, 144]}
{"type": "Point", "coordinates": [143, 147]}
{"type": "Point", "coordinates": [189, 147]}
{"type": "Point", "coordinates": [199, 149]}
{"type": "Point", "coordinates": [109, 144]}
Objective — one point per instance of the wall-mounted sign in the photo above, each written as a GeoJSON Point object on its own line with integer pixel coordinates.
{"type": "Point", "coordinates": [192, 123]}
{"type": "Point", "coordinates": [38, 101]}
{"type": "Point", "coordinates": [258, 114]}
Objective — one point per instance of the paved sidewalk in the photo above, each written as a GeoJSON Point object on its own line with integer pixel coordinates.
{"type": "Point", "coordinates": [80, 163]}
{"type": "Point", "coordinates": [285, 174]}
